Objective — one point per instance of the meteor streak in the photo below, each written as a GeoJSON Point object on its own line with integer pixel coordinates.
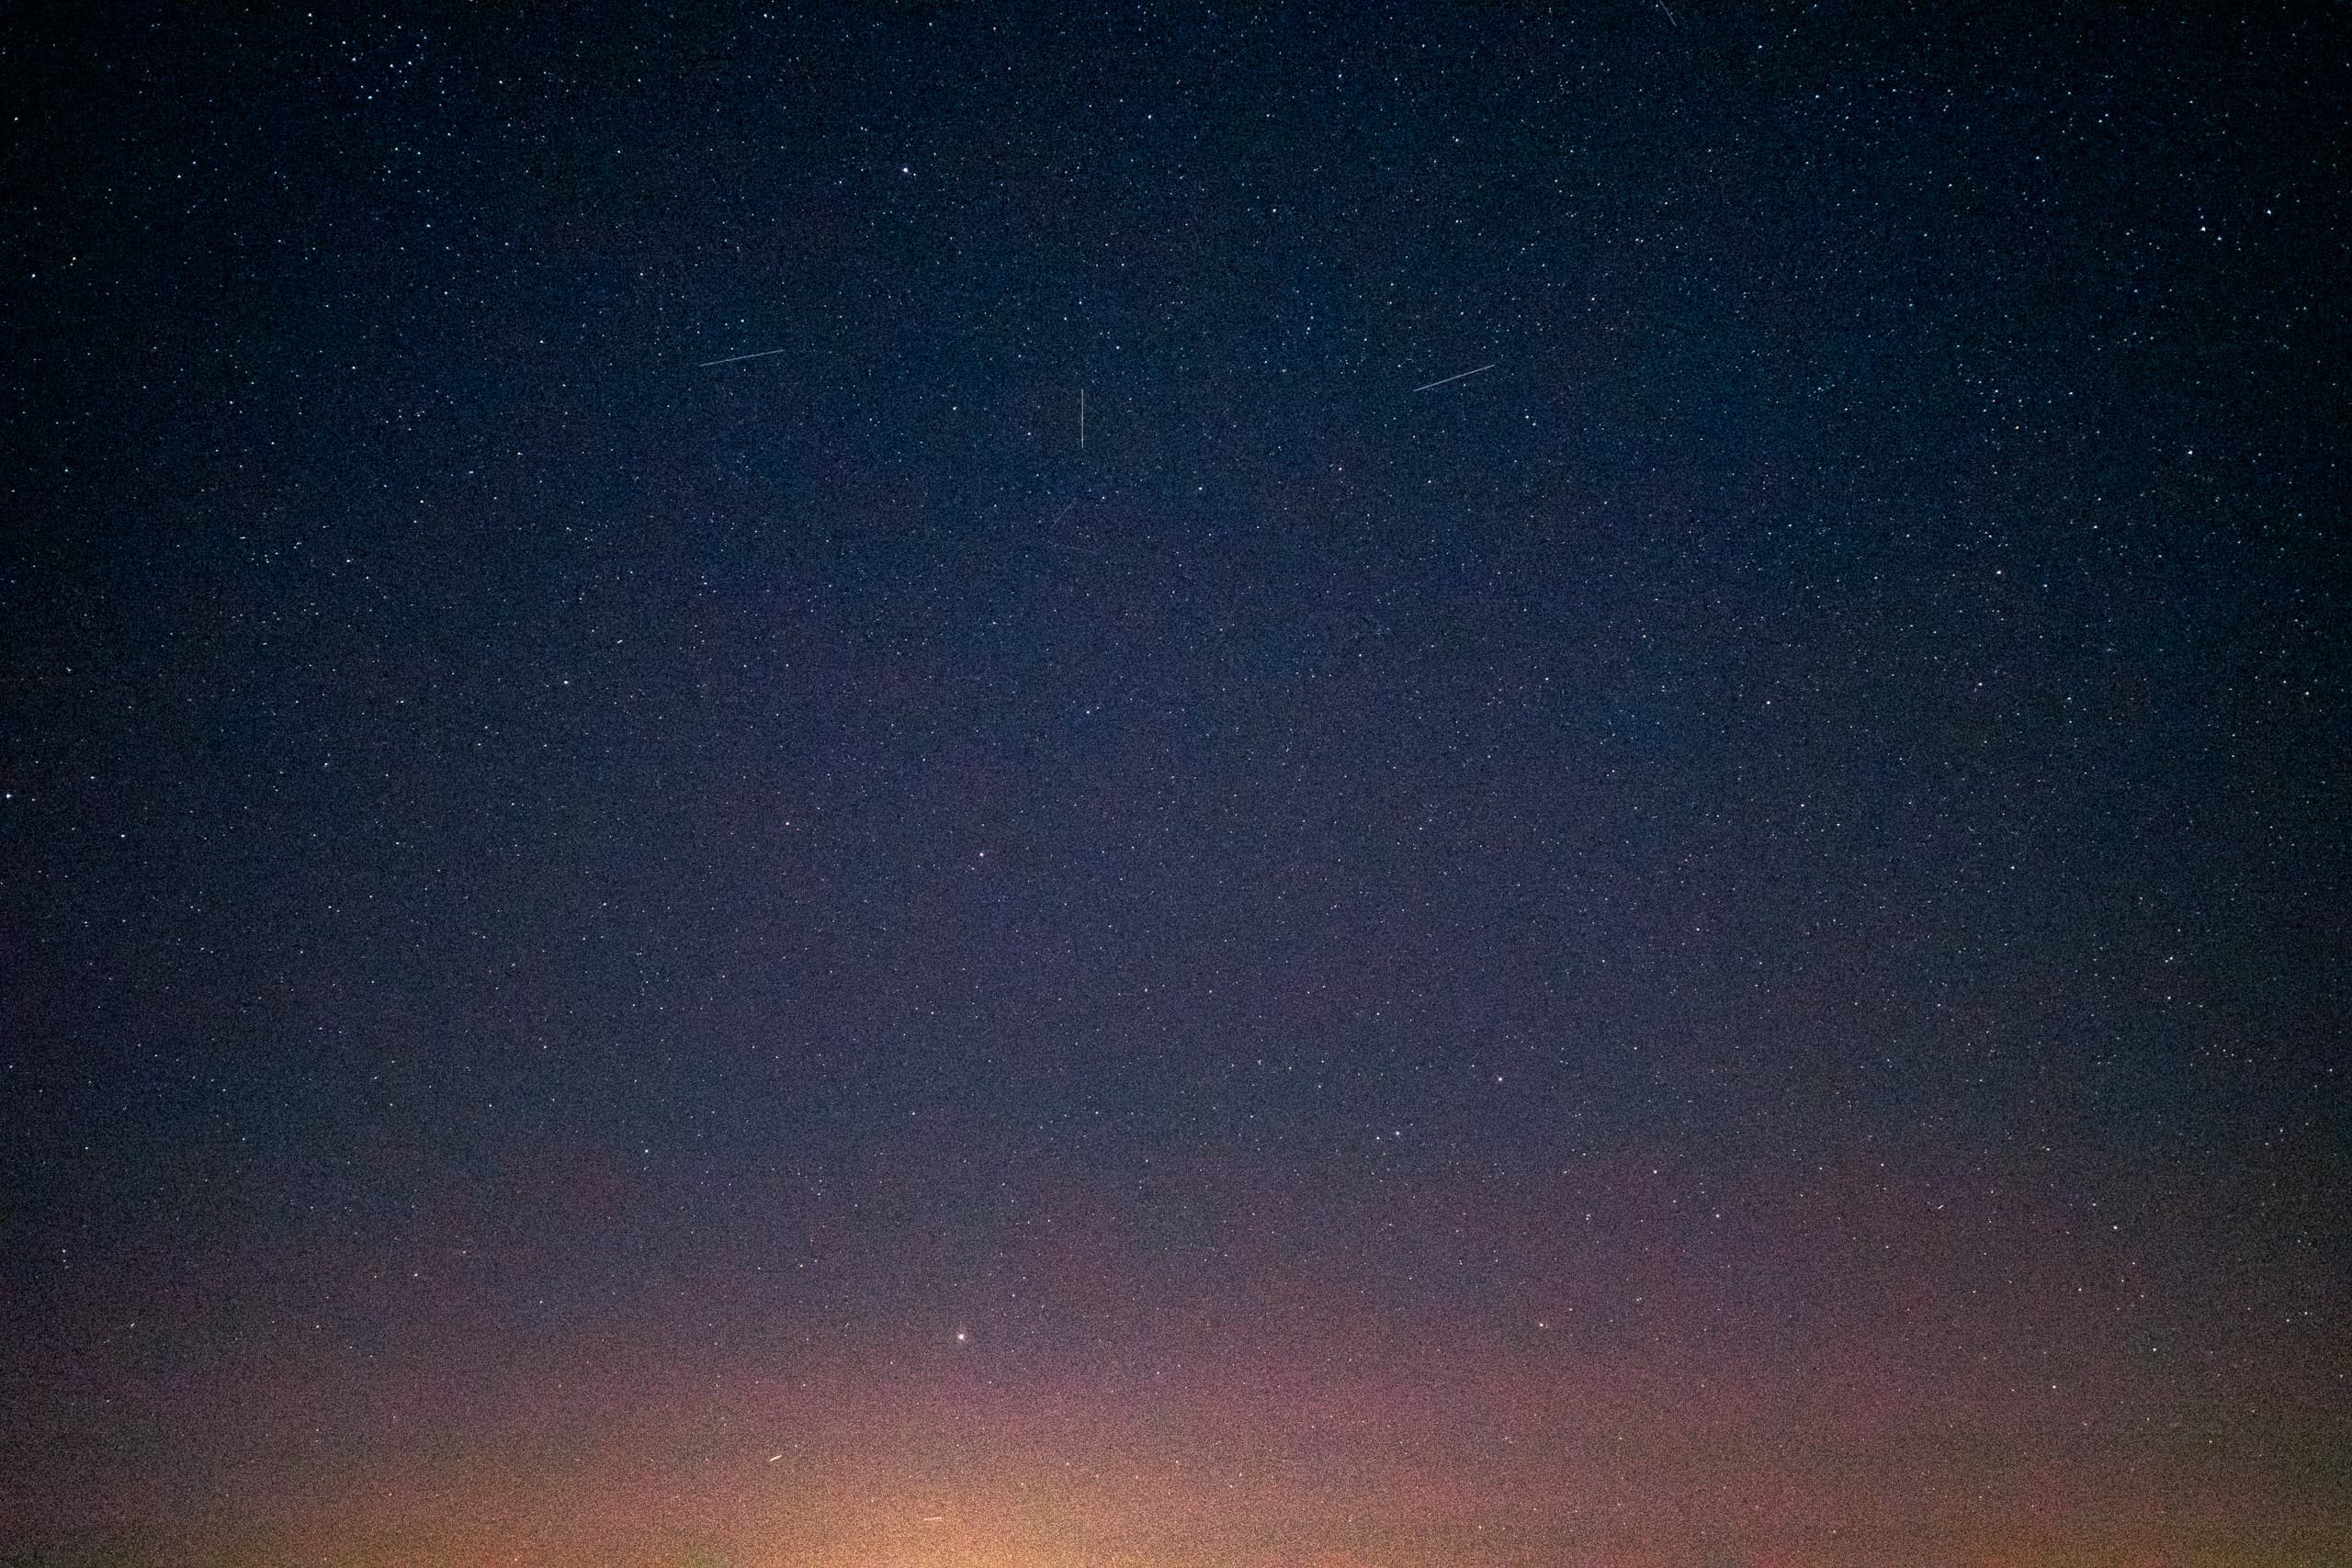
{"type": "Point", "coordinates": [738, 358]}
{"type": "Point", "coordinates": [1443, 380]}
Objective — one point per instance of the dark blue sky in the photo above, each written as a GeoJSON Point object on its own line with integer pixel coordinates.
{"type": "Point", "coordinates": [1722, 943]}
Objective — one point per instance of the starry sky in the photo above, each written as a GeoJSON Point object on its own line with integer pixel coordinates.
{"type": "Point", "coordinates": [810, 787]}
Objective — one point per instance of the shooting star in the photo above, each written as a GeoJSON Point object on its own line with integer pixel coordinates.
{"type": "Point", "coordinates": [738, 358]}
{"type": "Point", "coordinates": [1443, 380]}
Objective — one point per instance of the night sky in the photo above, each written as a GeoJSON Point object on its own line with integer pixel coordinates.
{"type": "Point", "coordinates": [651, 914]}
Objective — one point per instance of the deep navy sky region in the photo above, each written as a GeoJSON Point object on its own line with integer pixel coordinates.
{"type": "Point", "coordinates": [817, 787]}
